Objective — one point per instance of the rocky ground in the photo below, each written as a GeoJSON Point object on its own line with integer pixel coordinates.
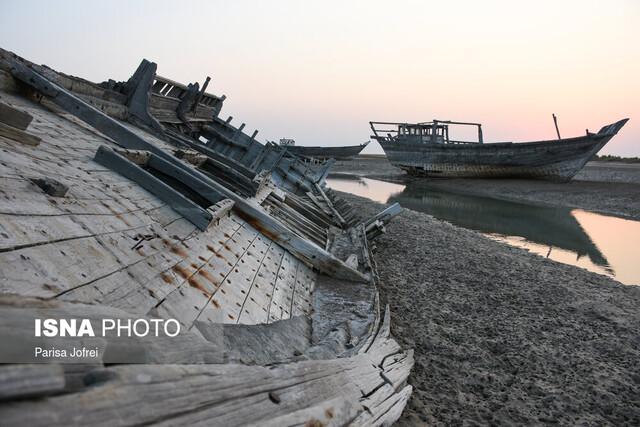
{"type": "Point", "coordinates": [502, 336]}
{"type": "Point", "coordinates": [605, 187]}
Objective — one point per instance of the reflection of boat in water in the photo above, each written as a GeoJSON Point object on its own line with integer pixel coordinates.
{"type": "Point", "coordinates": [347, 177]}
{"type": "Point", "coordinates": [549, 226]}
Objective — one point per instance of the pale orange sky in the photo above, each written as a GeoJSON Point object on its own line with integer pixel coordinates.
{"type": "Point", "coordinates": [319, 71]}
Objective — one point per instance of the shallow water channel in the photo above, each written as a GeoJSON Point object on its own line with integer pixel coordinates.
{"type": "Point", "coordinates": [599, 243]}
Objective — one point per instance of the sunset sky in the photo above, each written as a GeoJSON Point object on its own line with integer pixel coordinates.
{"type": "Point", "coordinates": [319, 71]}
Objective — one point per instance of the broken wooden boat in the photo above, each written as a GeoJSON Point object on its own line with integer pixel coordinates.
{"type": "Point", "coordinates": [425, 149]}
{"type": "Point", "coordinates": [324, 153]}
{"type": "Point", "coordinates": [135, 200]}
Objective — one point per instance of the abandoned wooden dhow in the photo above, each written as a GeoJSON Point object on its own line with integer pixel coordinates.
{"type": "Point", "coordinates": [324, 153]}
{"type": "Point", "coordinates": [425, 149]}
{"type": "Point", "coordinates": [136, 199]}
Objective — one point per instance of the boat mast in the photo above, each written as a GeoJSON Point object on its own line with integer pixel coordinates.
{"type": "Point", "coordinates": [555, 122]}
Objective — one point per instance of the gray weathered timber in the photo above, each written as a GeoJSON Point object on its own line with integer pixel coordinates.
{"type": "Point", "coordinates": [281, 341]}
{"type": "Point", "coordinates": [51, 186]}
{"type": "Point", "coordinates": [14, 117]}
{"type": "Point", "coordinates": [253, 351]}
{"type": "Point", "coordinates": [138, 91]}
{"type": "Point", "coordinates": [385, 215]}
{"type": "Point", "coordinates": [287, 169]}
{"type": "Point", "coordinates": [165, 89]}
{"type": "Point", "coordinates": [187, 208]}
{"type": "Point", "coordinates": [237, 167]}
{"type": "Point", "coordinates": [187, 102]}
{"type": "Point", "coordinates": [371, 383]}
{"type": "Point", "coordinates": [374, 226]}
{"type": "Point", "coordinates": [557, 160]}
{"type": "Point", "coordinates": [333, 209]}
{"type": "Point", "coordinates": [18, 314]}
{"type": "Point", "coordinates": [18, 135]}
{"type": "Point", "coordinates": [254, 215]}
{"type": "Point", "coordinates": [87, 113]}
{"type": "Point", "coordinates": [20, 381]}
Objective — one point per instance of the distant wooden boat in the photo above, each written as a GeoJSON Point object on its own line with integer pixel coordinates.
{"type": "Point", "coordinates": [424, 149]}
{"type": "Point", "coordinates": [323, 153]}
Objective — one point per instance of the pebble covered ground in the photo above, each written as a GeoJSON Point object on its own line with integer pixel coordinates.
{"type": "Point", "coordinates": [502, 336]}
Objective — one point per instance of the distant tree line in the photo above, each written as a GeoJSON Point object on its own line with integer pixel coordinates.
{"type": "Point", "coordinates": [610, 158]}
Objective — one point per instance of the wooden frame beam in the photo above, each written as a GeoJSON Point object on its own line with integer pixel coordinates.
{"type": "Point", "coordinates": [181, 204]}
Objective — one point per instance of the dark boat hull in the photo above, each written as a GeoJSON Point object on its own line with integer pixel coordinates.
{"type": "Point", "coordinates": [323, 153]}
{"type": "Point", "coordinates": [557, 160]}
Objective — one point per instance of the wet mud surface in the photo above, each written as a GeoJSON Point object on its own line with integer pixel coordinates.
{"type": "Point", "coordinates": [502, 336]}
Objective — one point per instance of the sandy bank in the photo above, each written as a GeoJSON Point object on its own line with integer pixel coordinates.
{"type": "Point", "coordinates": [501, 335]}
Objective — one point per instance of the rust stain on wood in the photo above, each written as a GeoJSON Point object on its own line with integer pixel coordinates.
{"type": "Point", "coordinates": [183, 272]}
{"type": "Point", "coordinates": [204, 273]}
{"type": "Point", "coordinates": [166, 278]}
{"type": "Point", "coordinates": [178, 251]}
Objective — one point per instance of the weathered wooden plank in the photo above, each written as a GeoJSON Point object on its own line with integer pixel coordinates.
{"type": "Point", "coordinates": [264, 344]}
{"type": "Point", "coordinates": [18, 135]}
{"type": "Point", "coordinates": [229, 394]}
{"type": "Point", "coordinates": [236, 286]}
{"type": "Point", "coordinates": [385, 215]}
{"type": "Point", "coordinates": [190, 210]}
{"type": "Point", "coordinates": [21, 381]}
{"type": "Point", "coordinates": [138, 91]}
{"type": "Point", "coordinates": [302, 291]}
{"type": "Point", "coordinates": [256, 305]}
{"type": "Point", "coordinates": [302, 248]}
{"type": "Point", "coordinates": [18, 314]}
{"type": "Point", "coordinates": [7, 83]}
{"type": "Point", "coordinates": [47, 270]}
{"type": "Point", "coordinates": [205, 278]}
{"type": "Point", "coordinates": [166, 267]}
{"type": "Point", "coordinates": [280, 304]}
{"type": "Point", "coordinates": [23, 231]}
{"type": "Point", "coordinates": [385, 406]}
{"type": "Point", "coordinates": [13, 117]}
{"type": "Point", "coordinates": [236, 267]}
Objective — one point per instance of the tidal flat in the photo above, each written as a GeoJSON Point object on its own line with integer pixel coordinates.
{"type": "Point", "coordinates": [604, 187]}
{"type": "Point", "coordinates": [502, 335]}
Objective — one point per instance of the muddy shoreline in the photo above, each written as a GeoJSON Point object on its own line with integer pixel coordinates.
{"type": "Point", "coordinates": [504, 336]}
{"type": "Point", "coordinates": [603, 187]}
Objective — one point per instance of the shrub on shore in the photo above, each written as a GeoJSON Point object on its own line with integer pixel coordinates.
{"type": "Point", "coordinates": [610, 158]}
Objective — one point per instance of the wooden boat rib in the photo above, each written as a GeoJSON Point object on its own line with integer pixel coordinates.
{"type": "Point", "coordinates": [424, 149]}
{"type": "Point", "coordinates": [108, 211]}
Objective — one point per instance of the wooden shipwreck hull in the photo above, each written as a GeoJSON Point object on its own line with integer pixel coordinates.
{"type": "Point", "coordinates": [337, 153]}
{"type": "Point", "coordinates": [135, 200]}
{"type": "Point", "coordinates": [553, 160]}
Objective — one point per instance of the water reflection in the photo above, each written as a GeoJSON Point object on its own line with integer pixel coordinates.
{"type": "Point", "coordinates": [373, 189]}
{"type": "Point", "coordinates": [598, 243]}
